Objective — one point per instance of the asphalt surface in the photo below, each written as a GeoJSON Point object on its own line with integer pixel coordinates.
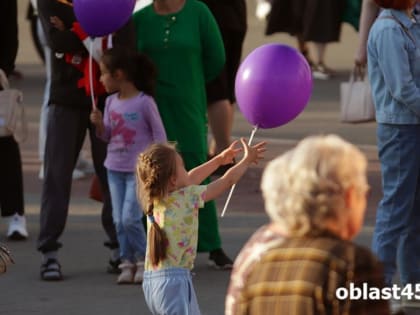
{"type": "Point", "coordinates": [87, 288]}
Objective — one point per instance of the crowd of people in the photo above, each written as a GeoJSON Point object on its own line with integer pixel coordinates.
{"type": "Point", "coordinates": [317, 21]}
{"type": "Point", "coordinates": [165, 77]}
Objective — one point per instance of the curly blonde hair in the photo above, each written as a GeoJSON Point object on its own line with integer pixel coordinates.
{"type": "Point", "coordinates": [306, 186]}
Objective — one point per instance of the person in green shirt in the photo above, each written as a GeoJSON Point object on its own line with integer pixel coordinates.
{"type": "Point", "coordinates": [184, 42]}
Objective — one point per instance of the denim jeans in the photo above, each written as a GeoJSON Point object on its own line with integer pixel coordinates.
{"type": "Point", "coordinates": [170, 291]}
{"type": "Point", "coordinates": [127, 215]}
{"type": "Point", "coordinates": [396, 238]}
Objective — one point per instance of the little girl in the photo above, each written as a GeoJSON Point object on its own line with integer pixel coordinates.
{"type": "Point", "coordinates": [171, 197]}
{"type": "Point", "coordinates": [130, 124]}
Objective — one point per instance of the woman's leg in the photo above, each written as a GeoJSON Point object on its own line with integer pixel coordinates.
{"type": "Point", "coordinates": [11, 200]}
{"type": "Point", "coordinates": [11, 192]}
{"type": "Point", "coordinates": [320, 49]}
{"type": "Point", "coordinates": [399, 149]}
{"type": "Point", "coordinates": [303, 48]}
{"type": "Point", "coordinates": [320, 70]}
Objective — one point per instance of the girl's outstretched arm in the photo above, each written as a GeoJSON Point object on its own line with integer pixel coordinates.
{"type": "Point", "coordinates": [198, 174]}
{"type": "Point", "coordinates": [251, 155]}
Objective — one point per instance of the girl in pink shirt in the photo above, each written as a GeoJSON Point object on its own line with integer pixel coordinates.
{"type": "Point", "coordinates": [130, 123]}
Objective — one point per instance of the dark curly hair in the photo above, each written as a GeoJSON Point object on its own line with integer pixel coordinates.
{"type": "Point", "coordinates": [137, 67]}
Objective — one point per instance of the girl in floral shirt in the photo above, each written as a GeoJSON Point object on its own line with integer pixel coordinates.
{"type": "Point", "coordinates": [171, 197]}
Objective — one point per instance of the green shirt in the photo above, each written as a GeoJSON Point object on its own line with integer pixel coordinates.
{"type": "Point", "coordinates": [187, 50]}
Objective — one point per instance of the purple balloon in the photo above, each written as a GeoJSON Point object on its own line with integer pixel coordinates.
{"type": "Point", "coordinates": [102, 17]}
{"type": "Point", "coordinates": [273, 85]}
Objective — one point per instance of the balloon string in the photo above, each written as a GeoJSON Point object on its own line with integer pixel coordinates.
{"type": "Point", "coordinates": [234, 185]}
{"type": "Point", "coordinates": [92, 92]}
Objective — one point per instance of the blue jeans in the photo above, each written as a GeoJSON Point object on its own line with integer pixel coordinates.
{"type": "Point", "coordinates": [127, 215]}
{"type": "Point", "coordinates": [396, 238]}
{"type": "Point", "coordinates": [170, 291]}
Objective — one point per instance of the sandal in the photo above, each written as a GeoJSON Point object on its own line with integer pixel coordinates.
{"type": "Point", "coordinates": [51, 270]}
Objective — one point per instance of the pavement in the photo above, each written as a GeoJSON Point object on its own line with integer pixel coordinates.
{"type": "Point", "coordinates": [87, 288]}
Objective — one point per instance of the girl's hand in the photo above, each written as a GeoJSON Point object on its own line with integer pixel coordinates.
{"type": "Point", "coordinates": [252, 154]}
{"type": "Point", "coordinates": [227, 155]}
{"type": "Point", "coordinates": [57, 23]}
{"type": "Point", "coordinates": [96, 117]}
{"type": "Point", "coordinates": [360, 59]}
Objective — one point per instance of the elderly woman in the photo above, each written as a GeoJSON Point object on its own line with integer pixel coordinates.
{"type": "Point", "coordinates": [303, 262]}
{"type": "Point", "coordinates": [394, 74]}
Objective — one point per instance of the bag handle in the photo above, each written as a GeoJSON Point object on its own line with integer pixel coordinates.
{"type": "Point", "coordinates": [3, 80]}
{"type": "Point", "coordinates": [358, 74]}
{"type": "Point", "coordinates": [405, 29]}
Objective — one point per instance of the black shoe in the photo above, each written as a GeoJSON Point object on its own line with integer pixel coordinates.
{"type": "Point", "coordinates": [219, 260]}
{"type": "Point", "coordinates": [113, 266]}
{"type": "Point", "coordinates": [111, 244]}
{"type": "Point", "coordinates": [51, 270]}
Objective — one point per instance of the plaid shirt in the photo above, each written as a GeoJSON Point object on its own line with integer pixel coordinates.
{"type": "Point", "coordinates": [275, 275]}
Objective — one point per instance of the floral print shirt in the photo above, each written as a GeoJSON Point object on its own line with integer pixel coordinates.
{"type": "Point", "coordinates": [177, 215]}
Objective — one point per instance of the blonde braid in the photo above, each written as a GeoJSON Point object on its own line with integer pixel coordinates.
{"type": "Point", "coordinates": [154, 170]}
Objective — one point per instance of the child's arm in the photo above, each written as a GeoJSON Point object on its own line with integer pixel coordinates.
{"type": "Point", "coordinates": [251, 155]}
{"type": "Point", "coordinates": [97, 119]}
{"type": "Point", "coordinates": [198, 174]}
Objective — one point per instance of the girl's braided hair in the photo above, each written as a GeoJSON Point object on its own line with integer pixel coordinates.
{"type": "Point", "coordinates": [155, 167]}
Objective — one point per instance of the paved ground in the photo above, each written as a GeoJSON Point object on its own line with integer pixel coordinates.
{"type": "Point", "coordinates": [87, 289]}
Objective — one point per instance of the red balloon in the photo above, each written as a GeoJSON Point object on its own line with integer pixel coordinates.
{"type": "Point", "coordinates": [273, 85]}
